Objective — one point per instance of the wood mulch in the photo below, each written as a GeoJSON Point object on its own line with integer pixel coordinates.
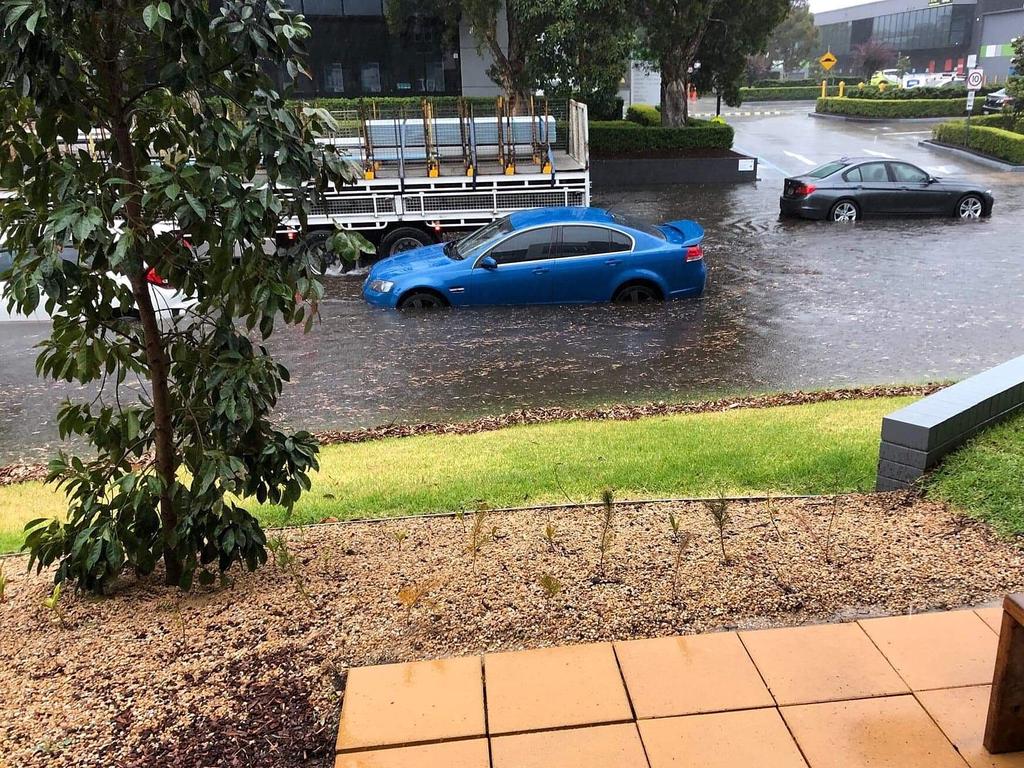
{"type": "Point", "coordinates": [253, 674]}
{"type": "Point", "coordinates": [20, 472]}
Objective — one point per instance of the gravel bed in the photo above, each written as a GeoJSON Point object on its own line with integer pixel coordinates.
{"type": "Point", "coordinates": [253, 674]}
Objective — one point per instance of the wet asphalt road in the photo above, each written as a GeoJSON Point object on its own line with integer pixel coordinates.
{"type": "Point", "coordinates": [789, 304]}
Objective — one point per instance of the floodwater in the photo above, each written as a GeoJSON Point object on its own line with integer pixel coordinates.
{"type": "Point", "coordinates": [789, 304]}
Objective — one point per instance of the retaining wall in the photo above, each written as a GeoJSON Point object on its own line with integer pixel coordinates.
{"type": "Point", "coordinates": [915, 438]}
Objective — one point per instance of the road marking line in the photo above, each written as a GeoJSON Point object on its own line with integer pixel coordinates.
{"type": "Point", "coordinates": [877, 154]}
{"type": "Point", "coordinates": [801, 158]}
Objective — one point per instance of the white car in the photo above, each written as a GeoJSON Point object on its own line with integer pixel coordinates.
{"type": "Point", "coordinates": [168, 301]}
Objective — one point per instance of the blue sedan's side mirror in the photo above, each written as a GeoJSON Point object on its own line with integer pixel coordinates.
{"type": "Point", "coordinates": [488, 262]}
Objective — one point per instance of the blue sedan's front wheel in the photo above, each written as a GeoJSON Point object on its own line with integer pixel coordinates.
{"type": "Point", "coordinates": [422, 300]}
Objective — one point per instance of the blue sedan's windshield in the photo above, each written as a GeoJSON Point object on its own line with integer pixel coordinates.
{"type": "Point", "coordinates": [466, 247]}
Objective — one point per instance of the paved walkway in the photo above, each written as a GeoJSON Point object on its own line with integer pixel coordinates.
{"type": "Point", "coordinates": [898, 692]}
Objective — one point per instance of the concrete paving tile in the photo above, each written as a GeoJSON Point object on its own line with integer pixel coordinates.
{"type": "Point", "coordinates": [961, 714]}
{"type": "Point", "coordinates": [686, 675]}
{"type": "Point", "coordinates": [753, 738]}
{"type": "Point", "coordinates": [992, 615]}
{"type": "Point", "coordinates": [401, 704]}
{"type": "Point", "coordinates": [554, 687]}
{"type": "Point", "coordinates": [937, 650]}
{"type": "Point", "coordinates": [824, 662]}
{"type": "Point", "coordinates": [887, 732]}
{"type": "Point", "coordinates": [469, 753]}
{"type": "Point", "coordinates": [603, 746]}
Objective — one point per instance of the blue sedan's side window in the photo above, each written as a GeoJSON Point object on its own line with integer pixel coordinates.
{"type": "Point", "coordinates": [587, 241]}
{"type": "Point", "coordinates": [532, 245]}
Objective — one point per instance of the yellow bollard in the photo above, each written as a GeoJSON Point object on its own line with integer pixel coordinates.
{"type": "Point", "coordinates": [842, 88]}
{"type": "Point", "coordinates": [824, 88]}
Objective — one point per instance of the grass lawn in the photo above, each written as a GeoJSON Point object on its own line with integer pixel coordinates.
{"type": "Point", "coordinates": [817, 448]}
{"type": "Point", "coordinates": [986, 477]}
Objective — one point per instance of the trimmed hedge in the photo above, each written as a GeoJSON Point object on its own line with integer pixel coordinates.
{"type": "Point", "coordinates": [1006, 120]}
{"type": "Point", "coordinates": [622, 138]}
{"type": "Point", "coordinates": [882, 109]}
{"type": "Point", "coordinates": [895, 94]}
{"type": "Point", "coordinates": [644, 114]}
{"type": "Point", "coordinates": [779, 83]}
{"type": "Point", "coordinates": [787, 93]}
{"type": "Point", "coordinates": [994, 142]}
{"type": "Point", "coordinates": [600, 109]}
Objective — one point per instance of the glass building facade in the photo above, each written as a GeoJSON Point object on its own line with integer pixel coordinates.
{"type": "Point", "coordinates": [931, 36]}
{"type": "Point", "coordinates": [353, 53]}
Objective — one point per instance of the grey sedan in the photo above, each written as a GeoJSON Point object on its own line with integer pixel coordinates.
{"type": "Point", "coordinates": [851, 188]}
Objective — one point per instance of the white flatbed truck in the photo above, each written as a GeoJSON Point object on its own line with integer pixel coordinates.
{"type": "Point", "coordinates": [425, 177]}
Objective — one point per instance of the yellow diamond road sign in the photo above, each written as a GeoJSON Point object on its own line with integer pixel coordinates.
{"type": "Point", "coordinates": [828, 61]}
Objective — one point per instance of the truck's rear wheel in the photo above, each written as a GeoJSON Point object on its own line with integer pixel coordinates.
{"type": "Point", "coordinates": [326, 262]}
{"type": "Point", "coordinates": [403, 239]}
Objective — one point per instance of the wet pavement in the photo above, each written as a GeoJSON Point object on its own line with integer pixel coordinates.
{"type": "Point", "coordinates": [789, 304]}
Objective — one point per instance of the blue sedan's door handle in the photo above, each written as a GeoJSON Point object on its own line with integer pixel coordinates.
{"type": "Point", "coordinates": [541, 271]}
{"type": "Point", "coordinates": [613, 262]}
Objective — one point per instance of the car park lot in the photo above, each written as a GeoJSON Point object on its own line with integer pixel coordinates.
{"type": "Point", "coordinates": [788, 304]}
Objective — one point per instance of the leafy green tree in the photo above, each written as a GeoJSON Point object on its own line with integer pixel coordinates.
{"type": "Point", "coordinates": [576, 47]}
{"type": "Point", "coordinates": [724, 52]}
{"type": "Point", "coordinates": [671, 32]}
{"type": "Point", "coordinates": [1015, 83]}
{"type": "Point", "coordinates": [902, 65]}
{"type": "Point", "coordinates": [130, 126]}
{"type": "Point", "coordinates": [795, 39]}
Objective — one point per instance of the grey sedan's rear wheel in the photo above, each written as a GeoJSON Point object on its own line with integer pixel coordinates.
{"type": "Point", "coordinates": [421, 300]}
{"type": "Point", "coordinates": [636, 293]}
{"type": "Point", "coordinates": [970, 207]}
{"type": "Point", "coordinates": [845, 211]}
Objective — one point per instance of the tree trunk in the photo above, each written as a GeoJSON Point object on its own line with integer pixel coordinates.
{"type": "Point", "coordinates": [156, 354]}
{"type": "Point", "coordinates": [674, 106]}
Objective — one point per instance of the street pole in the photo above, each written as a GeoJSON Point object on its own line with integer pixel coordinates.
{"type": "Point", "coordinates": [718, 105]}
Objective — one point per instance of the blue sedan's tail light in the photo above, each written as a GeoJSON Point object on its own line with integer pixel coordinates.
{"type": "Point", "coordinates": [694, 253]}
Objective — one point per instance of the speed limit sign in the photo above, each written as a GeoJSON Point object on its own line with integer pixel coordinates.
{"type": "Point", "coordinates": [975, 78]}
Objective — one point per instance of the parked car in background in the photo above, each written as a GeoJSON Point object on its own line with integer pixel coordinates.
{"type": "Point", "coordinates": [167, 300]}
{"type": "Point", "coordinates": [997, 101]}
{"type": "Point", "coordinates": [547, 256]}
{"type": "Point", "coordinates": [887, 76]}
{"type": "Point", "coordinates": [849, 189]}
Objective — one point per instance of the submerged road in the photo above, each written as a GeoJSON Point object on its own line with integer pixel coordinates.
{"type": "Point", "coordinates": [789, 304]}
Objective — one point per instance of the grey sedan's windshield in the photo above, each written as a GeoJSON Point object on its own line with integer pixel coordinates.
{"type": "Point", "coordinates": [471, 242]}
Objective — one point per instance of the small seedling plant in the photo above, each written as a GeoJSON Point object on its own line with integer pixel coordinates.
{"type": "Point", "coordinates": [681, 541]}
{"type": "Point", "coordinates": [607, 528]}
{"type": "Point", "coordinates": [718, 508]}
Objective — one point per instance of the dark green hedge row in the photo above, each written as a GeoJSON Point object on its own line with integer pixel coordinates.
{"type": "Point", "coordinates": [787, 93]}
{"type": "Point", "coordinates": [603, 109]}
{"type": "Point", "coordinates": [644, 114]}
{"type": "Point", "coordinates": [1007, 121]}
{"type": "Point", "coordinates": [894, 108]}
{"type": "Point", "coordinates": [894, 94]}
{"type": "Point", "coordinates": [621, 138]}
{"type": "Point", "coordinates": [995, 142]}
{"type": "Point", "coordinates": [784, 83]}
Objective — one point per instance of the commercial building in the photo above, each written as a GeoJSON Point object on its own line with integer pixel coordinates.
{"type": "Point", "coordinates": [353, 53]}
{"type": "Point", "coordinates": [936, 35]}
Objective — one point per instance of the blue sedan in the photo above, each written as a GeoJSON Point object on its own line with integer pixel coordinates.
{"type": "Point", "coordinates": [546, 256]}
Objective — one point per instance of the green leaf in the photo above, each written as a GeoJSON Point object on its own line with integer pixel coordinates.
{"type": "Point", "coordinates": [164, 9]}
{"type": "Point", "coordinates": [172, 191]}
{"type": "Point", "coordinates": [150, 17]}
{"type": "Point", "coordinates": [195, 205]}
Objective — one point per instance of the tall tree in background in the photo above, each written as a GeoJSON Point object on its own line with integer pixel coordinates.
{"type": "Point", "coordinates": [189, 132]}
{"type": "Point", "coordinates": [871, 56]}
{"type": "Point", "coordinates": [570, 47]}
{"type": "Point", "coordinates": [725, 50]}
{"type": "Point", "coordinates": [671, 34]}
{"type": "Point", "coordinates": [583, 51]}
{"type": "Point", "coordinates": [795, 39]}
{"type": "Point", "coordinates": [1015, 83]}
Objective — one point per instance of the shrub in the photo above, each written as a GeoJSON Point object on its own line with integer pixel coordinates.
{"type": "Point", "coordinates": [1008, 121]}
{"type": "Point", "coordinates": [644, 114]}
{"type": "Point", "coordinates": [786, 93]}
{"type": "Point", "coordinates": [995, 142]}
{"type": "Point", "coordinates": [915, 94]}
{"type": "Point", "coordinates": [622, 138]}
{"type": "Point", "coordinates": [881, 109]}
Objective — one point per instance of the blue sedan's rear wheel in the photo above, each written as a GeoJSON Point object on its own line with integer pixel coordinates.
{"type": "Point", "coordinates": [844, 212]}
{"type": "Point", "coordinates": [636, 293]}
{"type": "Point", "coordinates": [421, 300]}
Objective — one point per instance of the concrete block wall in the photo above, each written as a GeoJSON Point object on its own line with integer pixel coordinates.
{"type": "Point", "coordinates": [915, 438]}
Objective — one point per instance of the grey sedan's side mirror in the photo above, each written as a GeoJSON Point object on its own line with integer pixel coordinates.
{"type": "Point", "coordinates": [932, 180]}
{"type": "Point", "coordinates": [488, 262]}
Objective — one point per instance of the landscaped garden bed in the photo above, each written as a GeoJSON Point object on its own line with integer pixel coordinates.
{"type": "Point", "coordinates": [893, 108]}
{"type": "Point", "coordinates": [995, 136]}
{"type": "Point", "coordinates": [253, 674]}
